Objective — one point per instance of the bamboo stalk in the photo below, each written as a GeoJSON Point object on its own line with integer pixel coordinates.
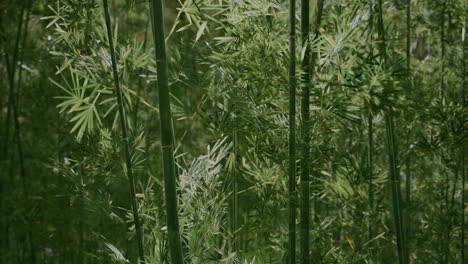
{"type": "Point", "coordinates": [370, 161]}
{"type": "Point", "coordinates": [19, 144]}
{"type": "Point", "coordinates": [22, 48]}
{"type": "Point", "coordinates": [12, 82]}
{"type": "Point", "coordinates": [392, 156]}
{"type": "Point", "coordinates": [446, 230]}
{"type": "Point", "coordinates": [462, 149]}
{"type": "Point", "coordinates": [305, 136]}
{"type": "Point", "coordinates": [407, 205]}
{"type": "Point", "coordinates": [125, 139]}
{"type": "Point", "coordinates": [408, 42]}
{"type": "Point", "coordinates": [292, 134]}
{"type": "Point", "coordinates": [370, 135]}
{"type": "Point", "coordinates": [462, 237]}
{"type": "Point", "coordinates": [315, 183]}
{"type": "Point", "coordinates": [167, 134]}
{"type": "Point", "coordinates": [396, 192]}
{"type": "Point", "coordinates": [235, 209]}
{"type": "Point", "coordinates": [22, 172]}
{"type": "Point", "coordinates": [442, 56]}
{"type": "Point", "coordinates": [306, 66]}
{"type": "Point", "coordinates": [408, 162]}
{"type": "Point", "coordinates": [13, 106]}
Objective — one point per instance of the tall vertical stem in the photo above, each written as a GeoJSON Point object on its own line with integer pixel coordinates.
{"type": "Point", "coordinates": [370, 134]}
{"type": "Point", "coordinates": [462, 148]}
{"type": "Point", "coordinates": [370, 161]}
{"type": "Point", "coordinates": [23, 173]}
{"type": "Point", "coordinates": [167, 134]}
{"type": "Point", "coordinates": [392, 155]}
{"type": "Point", "coordinates": [446, 230]}
{"type": "Point", "coordinates": [407, 206]}
{"type": "Point", "coordinates": [19, 143]}
{"type": "Point", "coordinates": [396, 192]}
{"type": "Point", "coordinates": [313, 63]}
{"type": "Point", "coordinates": [408, 43]}
{"type": "Point", "coordinates": [305, 134]}
{"type": "Point", "coordinates": [306, 65]}
{"type": "Point", "coordinates": [235, 209]}
{"type": "Point", "coordinates": [12, 82]}
{"type": "Point", "coordinates": [292, 133]}
{"type": "Point", "coordinates": [13, 105]}
{"type": "Point", "coordinates": [125, 139]}
{"type": "Point", "coordinates": [442, 55]}
{"type": "Point", "coordinates": [408, 162]}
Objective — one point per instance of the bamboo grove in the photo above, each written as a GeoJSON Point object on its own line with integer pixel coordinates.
{"type": "Point", "coordinates": [233, 131]}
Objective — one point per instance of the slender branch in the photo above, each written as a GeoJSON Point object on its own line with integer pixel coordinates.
{"type": "Point", "coordinates": [125, 139]}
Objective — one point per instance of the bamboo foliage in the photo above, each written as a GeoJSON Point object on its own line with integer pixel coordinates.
{"type": "Point", "coordinates": [125, 137]}
{"type": "Point", "coordinates": [300, 117]}
{"type": "Point", "coordinates": [167, 134]}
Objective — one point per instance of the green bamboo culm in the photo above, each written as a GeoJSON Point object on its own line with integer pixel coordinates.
{"type": "Point", "coordinates": [408, 44]}
{"type": "Point", "coordinates": [18, 135]}
{"type": "Point", "coordinates": [370, 134]}
{"type": "Point", "coordinates": [13, 105]}
{"type": "Point", "coordinates": [292, 134]}
{"type": "Point", "coordinates": [408, 160]}
{"type": "Point", "coordinates": [167, 134]}
{"type": "Point", "coordinates": [370, 165]}
{"type": "Point", "coordinates": [313, 64]}
{"type": "Point", "coordinates": [445, 232]}
{"type": "Point", "coordinates": [462, 148]}
{"type": "Point", "coordinates": [305, 136]}
{"type": "Point", "coordinates": [11, 77]}
{"type": "Point", "coordinates": [395, 185]}
{"type": "Point", "coordinates": [392, 156]}
{"type": "Point", "coordinates": [307, 64]}
{"type": "Point", "coordinates": [125, 139]}
{"type": "Point", "coordinates": [442, 53]}
{"type": "Point", "coordinates": [234, 198]}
